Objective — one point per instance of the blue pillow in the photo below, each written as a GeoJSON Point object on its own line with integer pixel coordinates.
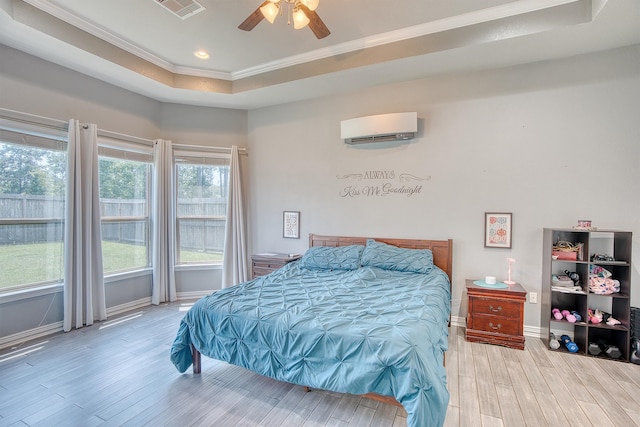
{"type": "Point", "coordinates": [388, 257]}
{"type": "Point", "coordinates": [332, 258]}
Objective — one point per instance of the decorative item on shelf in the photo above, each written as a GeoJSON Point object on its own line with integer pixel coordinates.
{"type": "Point", "coordinates": [601, 282]}
{"type": "Point", "coordinates": [567, 251]}
{"type": "Point", "coordinates": [509, 281]}
{"type": "Point", "coordinates": [584, 224]}
{"type": "Point", "coordinates": [598, 316]}
{"type": "Point", "coordinates": [603, 258]}
{"type": "Point", "coordinates": [561, 280]}
{"type": "Point", "coordinates": [575, 277]}
{"type": "Point", "coordinates": [595, 316]}
{"type": "Point", "coordinates": [490, 282]}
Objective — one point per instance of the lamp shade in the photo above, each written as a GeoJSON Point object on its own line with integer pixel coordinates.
{"type": "Point", "coordinates": [311, 4]}
{"type": "Point", "coordinates": [300, 20]}
{"type": "Point", "coordinates": [270, 11]}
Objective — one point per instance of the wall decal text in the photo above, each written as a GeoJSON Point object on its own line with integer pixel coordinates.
{"type": "Point", "coordinates": [381, 183]}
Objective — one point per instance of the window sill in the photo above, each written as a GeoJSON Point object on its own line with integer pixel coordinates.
{"type": "Point", "coordinates": [118, 277]}
{"type": "Point", "coordinates": [22, 294]}
{"type": "Point", "coordinates": [197, 267]}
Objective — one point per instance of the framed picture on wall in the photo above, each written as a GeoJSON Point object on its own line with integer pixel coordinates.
{"type": "Point", "coordinates": [497, 230]}
{"type": "Point", "coordinates": [291, 225]}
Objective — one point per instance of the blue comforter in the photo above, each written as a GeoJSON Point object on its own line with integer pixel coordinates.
{"type": "Point", "coordinates": [358, 331]}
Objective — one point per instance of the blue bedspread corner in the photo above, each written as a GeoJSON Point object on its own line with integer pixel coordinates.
{"type": "Point", "coordinates": [181, 349]}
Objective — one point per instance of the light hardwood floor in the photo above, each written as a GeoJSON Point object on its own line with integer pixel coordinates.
{"type": "Point", "coordinates": [118, 373]}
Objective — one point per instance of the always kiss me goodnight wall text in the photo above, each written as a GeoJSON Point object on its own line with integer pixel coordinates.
{"type": "Point", "coordinates": [381, 183]}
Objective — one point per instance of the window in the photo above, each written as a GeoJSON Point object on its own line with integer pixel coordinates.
{"type": "Point", "coordinates": [32, 187]}
{"type": "Point", "coordinates": [124, 208]}
{"type": "Point", "coordinates": [202, 193]}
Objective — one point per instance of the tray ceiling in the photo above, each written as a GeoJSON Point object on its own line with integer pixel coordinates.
{"type": "Point", "coordinates": [142, 47]}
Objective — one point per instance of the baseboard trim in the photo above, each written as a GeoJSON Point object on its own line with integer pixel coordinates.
{"type": "Point", "coordinates": [192, 295]}
{"type": "Point", "coordinates": [53, 328]}
{"type": "Point", "coordinates": [533, 331]}
{"type": "Point", "coordinates": [132, 305]}
{"type": "Point", "coordinates": [31, 334]}
{"type": "Point", "coordinates": [458, 321]}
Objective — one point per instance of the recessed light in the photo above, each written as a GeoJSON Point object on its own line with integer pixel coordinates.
{"type": "Point", "coordinates": [201, 54]}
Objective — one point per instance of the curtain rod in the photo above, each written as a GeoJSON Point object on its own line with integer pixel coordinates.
{"type": "Point", "coordinates": [209, 148]}
{"type": "Point", "coordinates": [60, 125]}
{"type": "Point", "coordinates": [32, 119]}
{"type": "Point", "coordinates": [123, 137]}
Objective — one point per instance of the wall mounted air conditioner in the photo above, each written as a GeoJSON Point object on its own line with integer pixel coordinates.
{"type": "Point", "coordinates": [380, 128]}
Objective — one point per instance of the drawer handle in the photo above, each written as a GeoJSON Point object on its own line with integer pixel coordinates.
{"type": "Point", "coordinates": [495, 327]}
{"type": "Point", "coordinates": [495, 310]}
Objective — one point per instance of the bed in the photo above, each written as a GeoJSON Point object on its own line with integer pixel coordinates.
{"type": "Point", "coordinates": [353, 315]}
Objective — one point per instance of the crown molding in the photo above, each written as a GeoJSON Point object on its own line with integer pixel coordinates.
{"type": "Point", "coordinates": [467, 19]}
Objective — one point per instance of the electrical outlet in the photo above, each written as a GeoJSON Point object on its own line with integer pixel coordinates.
{"type": "Point", "coordinates": [533, 297]}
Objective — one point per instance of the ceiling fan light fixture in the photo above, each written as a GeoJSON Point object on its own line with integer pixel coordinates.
{"type": "Point", "coordinates": [311, 4]}
{"type": "Point", "coordinates": [270, 10]}
{"type": "Point", "coordinates": [301, 12]}
{"type": "Point", "coordinates": [300, 20]}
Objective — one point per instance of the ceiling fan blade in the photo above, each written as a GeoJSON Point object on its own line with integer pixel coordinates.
{"type": "Point", "coordinates": [315, 23]}
{"type": "Point", "coordinates": [253, 19]}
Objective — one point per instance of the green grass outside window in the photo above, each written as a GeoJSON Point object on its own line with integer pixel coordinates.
{"type": "Point", "coordinates": [42, 262]}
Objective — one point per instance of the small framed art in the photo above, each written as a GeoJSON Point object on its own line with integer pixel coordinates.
{"type": "Point", "coordinates": [497, 230]}
{"type": "Point", "coordinates": [291, 225]}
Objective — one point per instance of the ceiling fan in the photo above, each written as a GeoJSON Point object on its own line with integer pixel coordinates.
{"type": "Point", "coordinates": [301, 11]}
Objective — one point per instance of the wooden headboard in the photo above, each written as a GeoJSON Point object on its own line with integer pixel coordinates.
{"type": "Point", "coordinates": [442, 249]}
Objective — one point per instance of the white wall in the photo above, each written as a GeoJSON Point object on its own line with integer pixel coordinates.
{"type": "Point", "coordinates": [551, 142]}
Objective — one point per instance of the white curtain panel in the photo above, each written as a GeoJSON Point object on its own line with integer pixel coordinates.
{"type": "Point", "coordinates": [234, 265]}
{"type": "Point", "coordinates": [84, 296]}
{"type": "Point", "coordinates": [164, 223]}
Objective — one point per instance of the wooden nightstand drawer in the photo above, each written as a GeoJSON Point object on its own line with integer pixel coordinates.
{"type": "Point", "coordinates": [496, 307]}
{"type": "Point", "coordinates": [497, 324]}
{"type": "Point", "coordinates": [264, 264]}
{"type": "Point", "coordinates": [263, 270]}
{"type": "Point", "coordinates": [269, 265]}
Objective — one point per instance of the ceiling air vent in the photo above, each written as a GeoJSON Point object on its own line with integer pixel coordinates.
{"type": "Point", "coordinates": [181, 8]}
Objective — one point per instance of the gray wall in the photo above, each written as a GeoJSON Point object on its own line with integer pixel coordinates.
{"type": "Point", "coordinates": [551, 142]}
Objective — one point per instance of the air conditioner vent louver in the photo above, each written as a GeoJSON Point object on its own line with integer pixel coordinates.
{"type": "Point", "coordinates": [183, 9]}
{"type": "Point", "coordinates": [380, 138]}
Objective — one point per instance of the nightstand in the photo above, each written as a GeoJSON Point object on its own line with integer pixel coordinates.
{"type": "Point", "coordinates": [496, 316]}
{"type": "Point", "coordinates": [262, 264]}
